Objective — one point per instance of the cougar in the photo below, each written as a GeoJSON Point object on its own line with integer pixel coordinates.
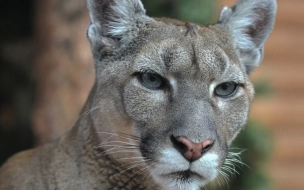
{"type": "Point", "coordinates": [169, 98]}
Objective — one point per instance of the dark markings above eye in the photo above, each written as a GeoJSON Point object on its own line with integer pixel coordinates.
{"type": "Point", "coordinates": [168, 56]}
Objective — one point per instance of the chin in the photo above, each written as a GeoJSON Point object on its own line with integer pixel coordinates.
{"type": "Point", "coordinates": [184, 180]}
{"type": "Point", "coordinates": [172, 172]}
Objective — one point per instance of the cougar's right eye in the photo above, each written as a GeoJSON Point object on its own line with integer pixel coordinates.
{"type": "Point", "coordinates": [151, 80]}
{"type": "Point", "coordinates": [226, 89]}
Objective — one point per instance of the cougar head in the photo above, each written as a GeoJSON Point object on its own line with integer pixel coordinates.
{"type": "Point", "coordinates": [179, 92]}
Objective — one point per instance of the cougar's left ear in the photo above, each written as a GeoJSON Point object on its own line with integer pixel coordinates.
{"type": "Point", "coordinates": [114, 22]}
{"type": "Point", "coordinates": [250, 23]}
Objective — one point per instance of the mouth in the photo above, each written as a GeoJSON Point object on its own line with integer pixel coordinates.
{"type": "Point", "coordinates": [186, 175]}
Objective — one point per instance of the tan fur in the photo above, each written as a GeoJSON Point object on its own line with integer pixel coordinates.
{"type": "Point", "coordinates": [125, 136]}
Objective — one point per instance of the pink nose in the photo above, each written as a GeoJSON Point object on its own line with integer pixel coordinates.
{"type": "Point", "coordinates": [190, 150]}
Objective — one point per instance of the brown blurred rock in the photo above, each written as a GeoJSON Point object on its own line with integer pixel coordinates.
{"type": "Point", "coordinates": [63, 66]}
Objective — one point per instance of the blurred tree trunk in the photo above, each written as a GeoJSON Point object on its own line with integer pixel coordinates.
{"type": "Point", "coordinates": [63, 66]}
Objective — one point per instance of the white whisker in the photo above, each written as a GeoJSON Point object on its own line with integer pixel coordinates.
{"type": "Point", "coordinates": [140, 157]}
{"type": "Point", "coordinates": [122, 142]}
{"type": "Point", "coordinates": [113, 134]}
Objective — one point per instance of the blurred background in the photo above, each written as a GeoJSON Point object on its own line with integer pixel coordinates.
{"type": "Point", "coordinates": [46, 73]}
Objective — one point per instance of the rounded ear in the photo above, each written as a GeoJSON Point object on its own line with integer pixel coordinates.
{"type": "Point", "coordinates": [114, 22]}
{"type": "Point", "coordinates": [250, 23]}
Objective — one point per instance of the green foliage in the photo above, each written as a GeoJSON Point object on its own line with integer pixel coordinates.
{"type": "Point", "coordinates": [199, 11]}
{"type": "Point", "coordinates": [263, 88]}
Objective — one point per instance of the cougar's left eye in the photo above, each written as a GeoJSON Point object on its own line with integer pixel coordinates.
{"type": "Point", "coordinates": [151, 80]}
{"type": "Point", "coordinates": [226, 89]}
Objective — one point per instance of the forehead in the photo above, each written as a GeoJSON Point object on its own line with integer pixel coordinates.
{"type": "Point", "coordinates": [178, 46]}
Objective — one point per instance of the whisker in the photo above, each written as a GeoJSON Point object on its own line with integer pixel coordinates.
{"type": "Point", "coordinates": [105, 141]}
{"type": "Point", "coordinates": [140, 157]}
{"type": "Point", "coordinates": [137, 161]}
{"type": "Point", "coordinates": [89, 111]}
{"type": "Point", "coordinates": [122, 142]}
{"type": "Point", "coordinates": [119, 146]}
{"type": "Point", "coordinates": [131, 136]}
{"type": "Point", "coordinates": [230, 170]}
{"type": "Point", "coordinates": [134, 166]}
{"type": "Point", "coordinates": [232, 162]}
{"type": "Point", "coordinates": [150, 173]}
{"type": "Point", "coordinates": [105, 151]}
{"type": "Point", "coordinates": [113, 134]}
{"type": "Point", "coordinates": [225, 177]}
{"type": "Point", "coordinates": [140, 172]}
{"type": "Point", "coordinates": [85, 113]}
{"type": "Point", "coordinates": [117, 150]}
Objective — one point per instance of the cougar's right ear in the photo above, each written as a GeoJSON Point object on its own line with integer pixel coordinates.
{"type": "Point", "coordinates": [250, 23]}
{"type": "Point", "coordinates": [114, 22]}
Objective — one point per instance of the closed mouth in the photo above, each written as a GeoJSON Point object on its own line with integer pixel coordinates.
{"type": "Point", "coordinates": [184, 175]}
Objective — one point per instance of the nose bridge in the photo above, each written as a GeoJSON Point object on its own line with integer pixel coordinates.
{"type": "Point", "coordinates": [195, 120]}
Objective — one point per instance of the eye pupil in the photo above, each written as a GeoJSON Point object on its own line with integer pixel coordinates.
{"type": "Point", "coordinates": [225, 86]}
{"type": "Point", "coordinates": [152, 78]}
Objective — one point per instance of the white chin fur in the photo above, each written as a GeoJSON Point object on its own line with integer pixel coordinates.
{"type": "Point", "coordinates": [172, 161]}
{"type": "Point", "coordinates": [173, 184]}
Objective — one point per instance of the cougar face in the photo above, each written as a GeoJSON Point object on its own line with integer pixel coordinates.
{"type": "Point", "coordinates": [179, 90]}
{"type": "Point", "coordinates": [184, 102]}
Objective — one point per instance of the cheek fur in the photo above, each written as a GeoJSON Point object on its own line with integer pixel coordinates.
{"type": "Point", "coordinates": [141, 103]}
{"type": "Point", "coordinates": [234, 115]}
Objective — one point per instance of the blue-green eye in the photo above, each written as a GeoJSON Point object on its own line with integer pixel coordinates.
{"type": "Point", "coordinates": [226, 89]}
{"type": "Point", "coordinates": [151, 80]}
